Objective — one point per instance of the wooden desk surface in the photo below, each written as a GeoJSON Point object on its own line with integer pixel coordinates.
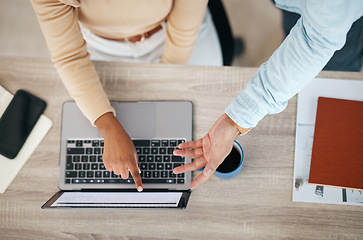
{"type": "Point", "coordinates": [257, 204]}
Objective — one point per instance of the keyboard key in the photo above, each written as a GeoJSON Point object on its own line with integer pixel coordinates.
{"type": "Point", "coordinates": [173, 143]}
{"type": "Point", "coordinates": [68, 180]}
{"type": "Point", "coordinates": [151, 166]}
{"type": "Point", "coordinates": [154, 151]}
{"type": "Point", "coordinates": [147, 174]}
{"type": "Point", "coordinates": [166, 158]}
{"type": "Point", "coordinates": [84, 158]}
{"type": "Point", "coordinates": [168, 166]}
{"type": "Point", "coordinates": [99, 158]}
{"type": "Point", "coordinates": [94, 166]}
{"type": "Point", "coordinates": [97, 151]}
{"type": "Point", "coordinates": [181, 141]}
{"type": "Point", "coordinates": [92, 158]}
{"type": "Point", "coordinates": [143, 166]}
{"type": "Point", "coordinates": [95, 143]}
{"type": "Point", "coordinates": [160, 166]}
{"type": "Point", "coordinates": [78, 166]}
{"type": "Point", "coordinates": [81, 174]}
{"type": "Point", "coordinates": [69, 166]}
{"type": "Point", "coordinates": [98, 174]}
{"type": "Point", "coordinates": [172, 175]}
{"type": "Point", "coordinates": [150, 158]}
{"type": "Point", "coordinates": [102, 143]}
{"type": "Point", "coordinates": [75, 150]}
{"type": "Point", "coordinates": [86, 166]}
{"type": "Point", "coordinates": [155, 143]}
{"type": "Point", "coordinates": [146, 150]}
{"type": "Point", "coordinates": [90, 174]}
{"type": "Point", "coordinates": [158, 158]}
{"type": "Point", "coordinates": [177, 159]}
{"type": "Point", "coordinates": [164, 174]}
{"type": "Point", "coordinates": [180, 175]}
{"type": "Point", "coordinates": [170, 151]}
{"type": "Point", "coordinates": [142, 158]}
{"type": "Point", "coordinates": [180, 180]}
{"type": "Point", "coordinates": [87, 141]}
{"type": "Point", "coordinates": [138, 150]}
{"type": "Point", "coordinates": [177, 165]}
{"type": "Point", "coordinates": [106, 174]}
{"type": "Point", "coordinates": [89, 151]}
{"type": "Point", "coordinates": [162, 150]}
{"type": "Point", "coordinates": [165, 143]}
{"type": "Point", "coordinates": [69, 159]}
{"type": "Point", "coordinates": [71, 174]}
{"type": "Point", "coordinates": [102, 167]}
{"type": "Point", "coordinates": [130, 180]}
{"type": "Point", "coordinates": [79, 143]}
{"type": "Point", "coordinates": [71, 141]}
{"type": "Point", "coordinates": [113, 175]}
{"type": "Point", "coordinates": [141, 143]}
{"type": "Point", "coordinates": [76, 158]}
{"type": "Point", "coordinates": [156, 174]}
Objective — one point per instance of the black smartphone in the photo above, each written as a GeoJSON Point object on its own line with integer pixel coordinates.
{"type": "Point", "coordinates": [17, 122]}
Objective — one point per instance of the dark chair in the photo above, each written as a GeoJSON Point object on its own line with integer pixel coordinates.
{"type": "Point", "coordinates": [231, 47]}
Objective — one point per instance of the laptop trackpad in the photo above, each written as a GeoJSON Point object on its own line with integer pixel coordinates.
{"type": "Point", "coordinates": [137, 118]}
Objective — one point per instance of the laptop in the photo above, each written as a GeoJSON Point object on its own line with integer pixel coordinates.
{"type": "Point", "coordinates": [156, 128]}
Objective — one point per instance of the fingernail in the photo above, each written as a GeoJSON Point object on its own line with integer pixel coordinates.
{"type": "Point", "coordinates": [139, 188]}
{"type": "Point", "coordinates": [208, 172]}
{"type": "Point", "coordinates": [139, 171]}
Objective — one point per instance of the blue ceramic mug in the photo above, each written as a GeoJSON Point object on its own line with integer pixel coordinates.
{"type": "Point", "coordinates": [232, 164]}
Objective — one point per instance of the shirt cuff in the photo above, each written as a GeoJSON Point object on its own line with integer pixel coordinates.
{"type": "Point", "coordinates": [243, 111]}
{"type": "Point", "coordinates": [111, 109]}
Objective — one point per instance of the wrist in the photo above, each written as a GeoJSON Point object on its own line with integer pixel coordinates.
{"type": "Point", "coordinates": [232, 124]}
{"type": "Point", "coordinates": [239, 130]}
{"type": "Point", "coordinates": [106, 122]}
{"type": "Point", "coordinates": [242, 131]}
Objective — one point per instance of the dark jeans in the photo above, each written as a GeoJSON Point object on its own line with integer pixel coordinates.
{"type": "Point", "coordinates": [350, 57]}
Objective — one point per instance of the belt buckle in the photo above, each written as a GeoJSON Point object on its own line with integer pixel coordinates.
{"type": "Point", "coordinates": [137, 42]}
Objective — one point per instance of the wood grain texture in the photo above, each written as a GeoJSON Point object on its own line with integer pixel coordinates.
{"type": "Point", "coordinates": [255, 205]}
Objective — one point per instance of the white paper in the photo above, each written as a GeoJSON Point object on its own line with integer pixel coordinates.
{"type": "Point", "coordinates": [305, 124]}
{"type": "Point", "coordinates": [9, 168]}
{"type": "Point", "coordinates": [118, 199]}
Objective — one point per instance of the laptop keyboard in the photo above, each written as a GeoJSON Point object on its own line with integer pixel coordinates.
{"type": "Point", "coordinates": [84, 163]}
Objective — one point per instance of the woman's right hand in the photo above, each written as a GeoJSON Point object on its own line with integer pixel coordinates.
{"type": "Point", "coordinates": [119, 153]}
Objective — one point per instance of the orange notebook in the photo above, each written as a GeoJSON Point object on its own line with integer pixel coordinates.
{"type": "Point", "coordinates": [337, 156]}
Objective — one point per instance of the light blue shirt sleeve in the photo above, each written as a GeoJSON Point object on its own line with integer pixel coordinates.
{"type": "Point", "coordinates": [321, 30]}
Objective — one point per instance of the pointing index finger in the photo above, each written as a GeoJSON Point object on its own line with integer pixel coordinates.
{"type": "Point", "coordinates": [137, 178]}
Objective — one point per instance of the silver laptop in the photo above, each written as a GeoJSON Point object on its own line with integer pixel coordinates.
{"type": "Point", "coordinates": [156, 129]}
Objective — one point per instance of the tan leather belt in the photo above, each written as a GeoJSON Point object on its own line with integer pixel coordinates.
{"type": "Point", "coordinates": [137, 38]}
